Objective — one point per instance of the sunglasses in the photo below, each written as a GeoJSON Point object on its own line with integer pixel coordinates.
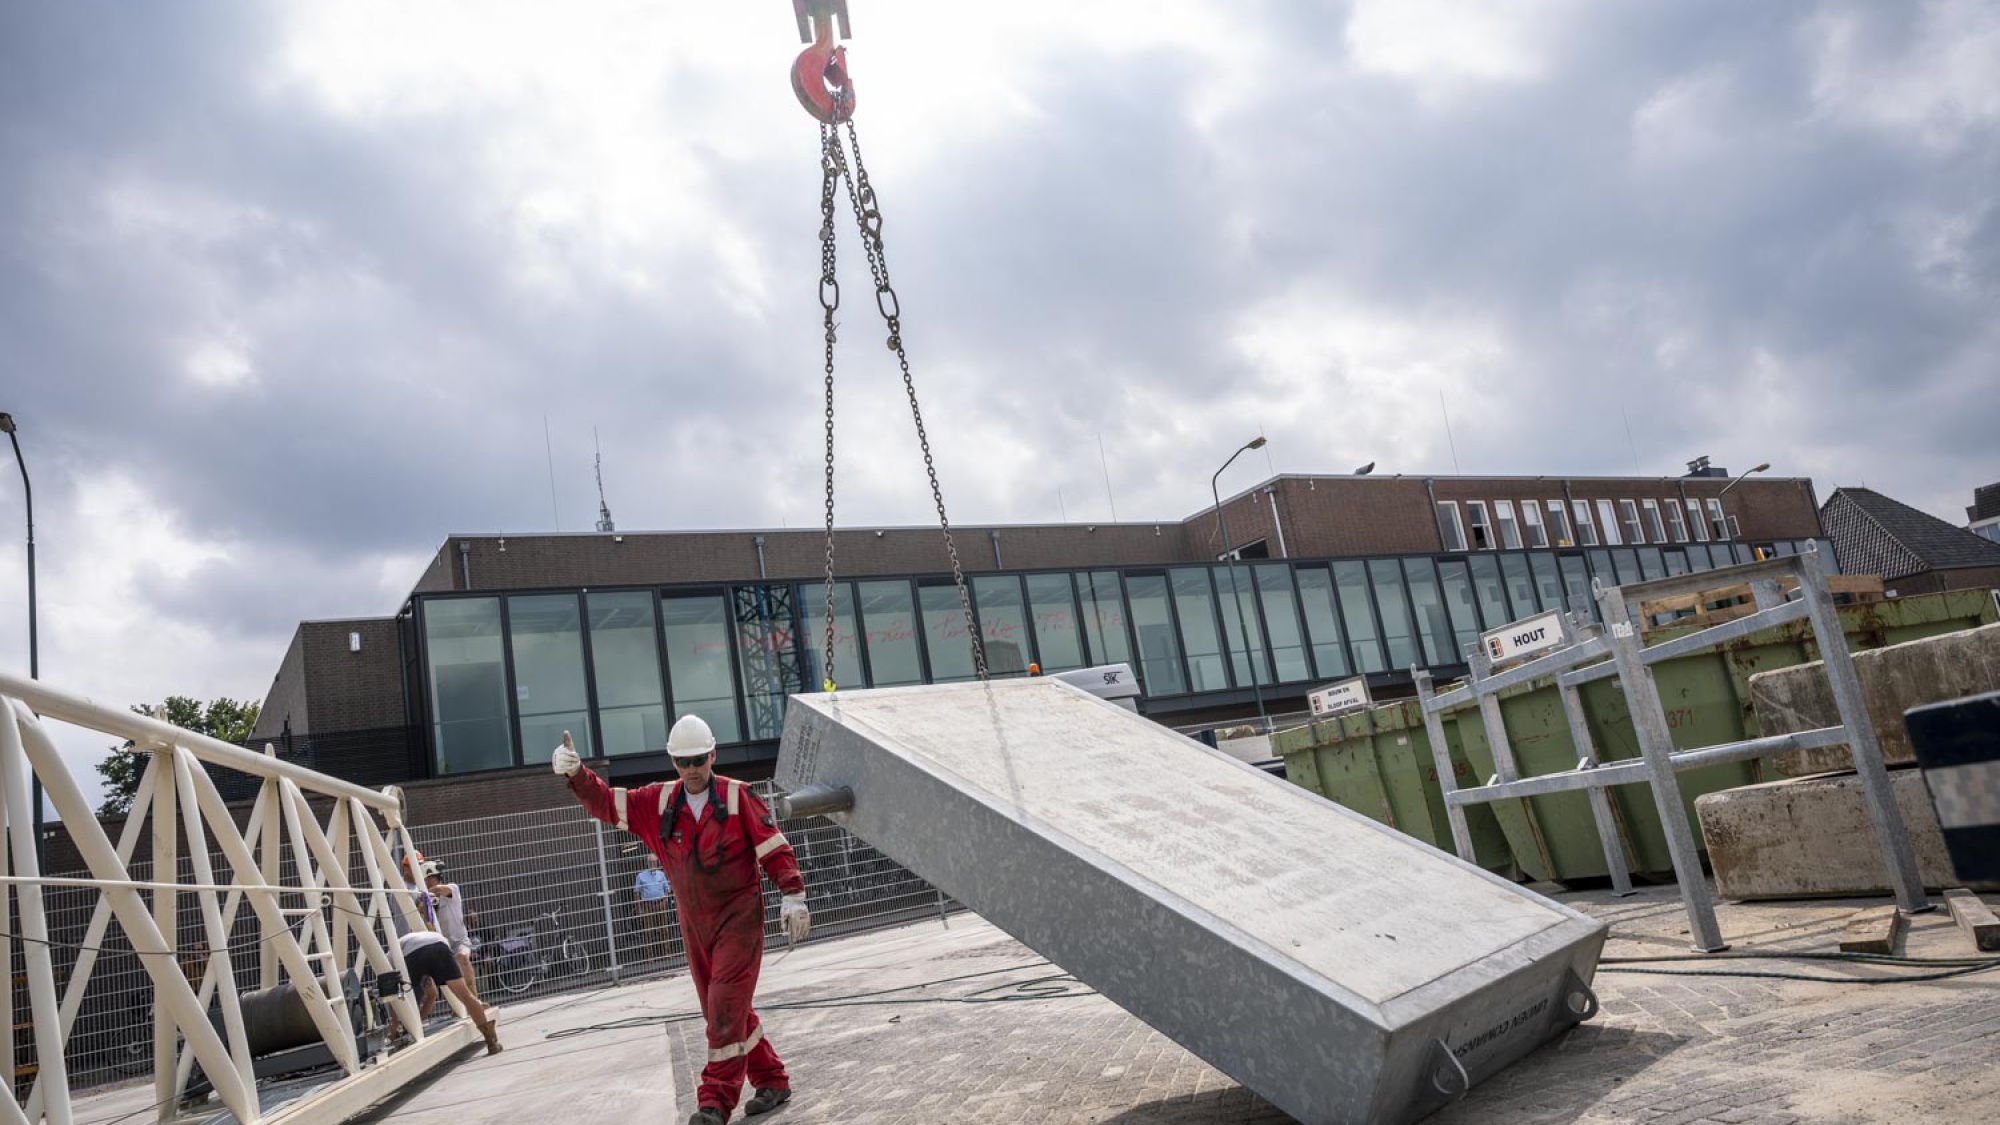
{"type": "Point", "coordinates": [693, 763]}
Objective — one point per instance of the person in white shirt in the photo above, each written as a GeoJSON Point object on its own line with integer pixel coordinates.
{"type": "Point", "coordinates": [451, 921]}
{"type": "Point", "coordinates": [428, 957]}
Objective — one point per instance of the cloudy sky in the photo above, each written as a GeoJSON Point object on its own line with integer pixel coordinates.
{"type": "Point", "coordinates": [288, 292]}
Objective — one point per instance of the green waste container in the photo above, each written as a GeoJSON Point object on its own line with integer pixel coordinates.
{"type": "Point", "coordinates": [1375, 761]}
{"type": "Point", "coordinates": [1378, 763]}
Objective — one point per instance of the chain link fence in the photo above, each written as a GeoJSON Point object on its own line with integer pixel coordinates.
{"type": "Point", "coordinates": [552, 906]}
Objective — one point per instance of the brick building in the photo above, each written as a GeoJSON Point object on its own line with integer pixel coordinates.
{"type": "Point", "coordinates": [1983, 514]}
{"type": "Point", "coordinates": [506, 641]}
{"type": "Point", "coordinates": [1914, 552]}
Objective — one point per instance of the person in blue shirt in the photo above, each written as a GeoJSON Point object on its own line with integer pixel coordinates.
{"type": "Point", "coordinates": [651, 888]}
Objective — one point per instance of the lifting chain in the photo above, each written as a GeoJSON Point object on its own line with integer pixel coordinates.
{"type": "Point", "coordinates": [834, 167]}
{"type": "Point", "coordinates": [831, 164]}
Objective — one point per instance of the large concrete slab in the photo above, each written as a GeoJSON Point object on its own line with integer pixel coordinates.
{"type": "Point", "coordinates": [1810, 837]}
{"type": "Point", "coordinates": [1893, 680]}
{"type": "Point", "coordinates": [1334, 966]}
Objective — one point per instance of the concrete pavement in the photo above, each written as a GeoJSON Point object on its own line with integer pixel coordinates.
{"type": "Point", "coordinates": [1673, 1050]}
{"type": "Point", "coordinates": [926, 1024]}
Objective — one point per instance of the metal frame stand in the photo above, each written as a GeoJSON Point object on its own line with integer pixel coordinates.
{"type": "Point", "coordinates": [1632, 662]}
{"type": "Point", "coordinates": [1483, 687]}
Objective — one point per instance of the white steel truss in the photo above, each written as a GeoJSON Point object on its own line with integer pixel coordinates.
{"type": "Point", "coordinates": [327, 918]}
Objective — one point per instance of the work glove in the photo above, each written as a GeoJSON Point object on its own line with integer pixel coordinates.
{"type": "Point", "coordinates": [796, 919]}
{"type": "Point", "coordinates": [564, 761]}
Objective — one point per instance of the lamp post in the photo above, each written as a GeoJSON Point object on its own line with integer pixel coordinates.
{"type": "Point", "coordinates": [1740, 479]}
{"type": "Point", "coordinates": [1736, 529]}
{"type": "Point", "coordinates": [34, 642]}
{"type": "Point", "coordinates": [1235, 594]}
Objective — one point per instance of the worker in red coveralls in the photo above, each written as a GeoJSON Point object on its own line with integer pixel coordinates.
{"type": "Point", "coordinates": [711, 834]}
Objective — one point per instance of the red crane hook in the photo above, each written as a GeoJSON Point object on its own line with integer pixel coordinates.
{"type": "Point", "coordinates": [819, 75]}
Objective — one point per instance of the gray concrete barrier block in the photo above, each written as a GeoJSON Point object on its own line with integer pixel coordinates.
{"type": "Point", "coordinates": [1893, 680]}
{"type": "Point", "coordinates": [1810, 838]}
{"type": "Point", "coordinates": [1342, 970]}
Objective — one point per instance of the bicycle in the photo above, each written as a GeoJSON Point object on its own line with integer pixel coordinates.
{"type": "Point", "coordinates": [518, 962]}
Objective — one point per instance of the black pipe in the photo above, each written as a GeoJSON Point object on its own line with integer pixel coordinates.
{"type": "Point", "coordinates": [34, 638]}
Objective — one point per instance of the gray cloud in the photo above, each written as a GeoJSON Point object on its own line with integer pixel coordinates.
{"type": "Point", "coordinates": [1757, 245]}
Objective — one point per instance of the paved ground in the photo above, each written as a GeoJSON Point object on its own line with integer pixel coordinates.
{"type": "Point", "coordinates": [1699, 1050]}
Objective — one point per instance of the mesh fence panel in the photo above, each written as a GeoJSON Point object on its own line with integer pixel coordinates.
{"type": "Point", "coordinates": [551, 905]}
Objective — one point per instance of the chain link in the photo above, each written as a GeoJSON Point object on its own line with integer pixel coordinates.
{"type": "Point", "coordinates": [868, 216]}
{"type": "Point", "coordinates": [832, 166]}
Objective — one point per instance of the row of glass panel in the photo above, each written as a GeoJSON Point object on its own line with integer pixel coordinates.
{"type": "Point", "coordinates": [506, 675]}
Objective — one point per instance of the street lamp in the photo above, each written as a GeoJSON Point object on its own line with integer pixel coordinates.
{"type": "Point", "coordinates": [1736, 528]}
{"type": "Point", "coordinates": [34, 643]}
{"type": "Point", "coordinates": [1739, 480]}
{"type": "Point", "coordinates": [1235, 593]}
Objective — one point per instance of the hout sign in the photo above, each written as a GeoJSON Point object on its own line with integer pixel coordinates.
{"type": "Point", "coordinates": [1531, 637]}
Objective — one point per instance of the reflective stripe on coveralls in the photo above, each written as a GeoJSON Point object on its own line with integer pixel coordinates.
{"type": "Point", "coordinates": [718, 1054]}
{"type": "Point", "coordinates": [618, 798]}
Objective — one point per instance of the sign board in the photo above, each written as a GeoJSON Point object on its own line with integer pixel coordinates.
{"type": "Point", "coordinates": [1531, 637]}
{"type": "Point", "coordinates": [1343, 696]}
{"type": "Point", "coordinates": [1114, 682]}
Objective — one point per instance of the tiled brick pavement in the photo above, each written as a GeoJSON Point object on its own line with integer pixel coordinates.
{"type": "Point", "coordinates": [1700, 1050]}
{"type": "Point", "coordinates": [1664, 1051]}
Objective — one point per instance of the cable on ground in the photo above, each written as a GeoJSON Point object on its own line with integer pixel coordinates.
{"type": "Point", "coordinates": [1054, 986]}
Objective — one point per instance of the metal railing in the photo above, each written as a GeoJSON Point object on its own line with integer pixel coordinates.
{"type": "Point", "coordinates": [1631, 662]}
{"type": "Point", "coordinates": [552, 901]}
{"type": "Point", "coordinates": [320, 903]}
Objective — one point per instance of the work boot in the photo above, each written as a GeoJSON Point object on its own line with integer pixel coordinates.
{"type": "Point", "coordinates": [707, 1115]}
{"type": "Point", "coordinates": [492, 1040]}
{"type": "Point", "coordinates": [765, 1101]}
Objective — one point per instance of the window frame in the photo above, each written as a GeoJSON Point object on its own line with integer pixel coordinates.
{"type": "Point", "coordinates": [1697, 521]}
{"type": "Point", "coordinates": [1719, 520]}
{"type": "Point", "coordinates": [1628, 522]}
{"type": "Point", "coordinates": [1479, 526]}
{"type": "Point", "coordinates": [738, 693]}
{"type": "Point", "coordinates": [1654, 526]}
{"type": "Point", "coordinates": [1676, 521]}
{"type": "Point", "coordinates": [867, 631]}
{"type": "Point", "coordinates": [1584, 523]}
{"type": "Point", "coordinates": [1559, 522]}
{"type": "Point", "coordinates": [652, 595]}
{"type": "Point", "coordinates": [1455, 529]}
{"type": "Point", "coordinates": [1508, 523]}
{"type": "Point", "coordinates": [1607, 516]}
{"type": "Point", "coordinates": [1532, 531]}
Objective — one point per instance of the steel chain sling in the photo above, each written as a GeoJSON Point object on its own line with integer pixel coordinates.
{"type": "Point", "coordinates": [835, 166]}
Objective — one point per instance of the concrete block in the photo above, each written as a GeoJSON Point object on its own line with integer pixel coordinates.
{"type": "Point", "coordinates": [1873, 930]}
{"type": "Point", "coordinates": [1343, 971]}
{"type": "Point", "coordinates": [1810, 838]}
{"type": "Point", "coordinates": [1893, 680]}
{"type": "Point", "coordinates": [1975, 918]}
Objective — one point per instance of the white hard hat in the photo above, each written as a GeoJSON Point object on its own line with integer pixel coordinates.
{"type": "Point", "coordinates": [690, 738]}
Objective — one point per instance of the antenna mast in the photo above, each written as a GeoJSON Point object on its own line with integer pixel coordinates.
{"type": "Point", "coordinates": [603, 509]}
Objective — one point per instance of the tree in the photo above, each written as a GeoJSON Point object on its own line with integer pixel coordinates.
{"type": "Point", "coordinates": [223, 718]}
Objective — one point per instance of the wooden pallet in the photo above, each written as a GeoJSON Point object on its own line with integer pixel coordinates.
{"type": "Point", "coordinates": [1727, 603]}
